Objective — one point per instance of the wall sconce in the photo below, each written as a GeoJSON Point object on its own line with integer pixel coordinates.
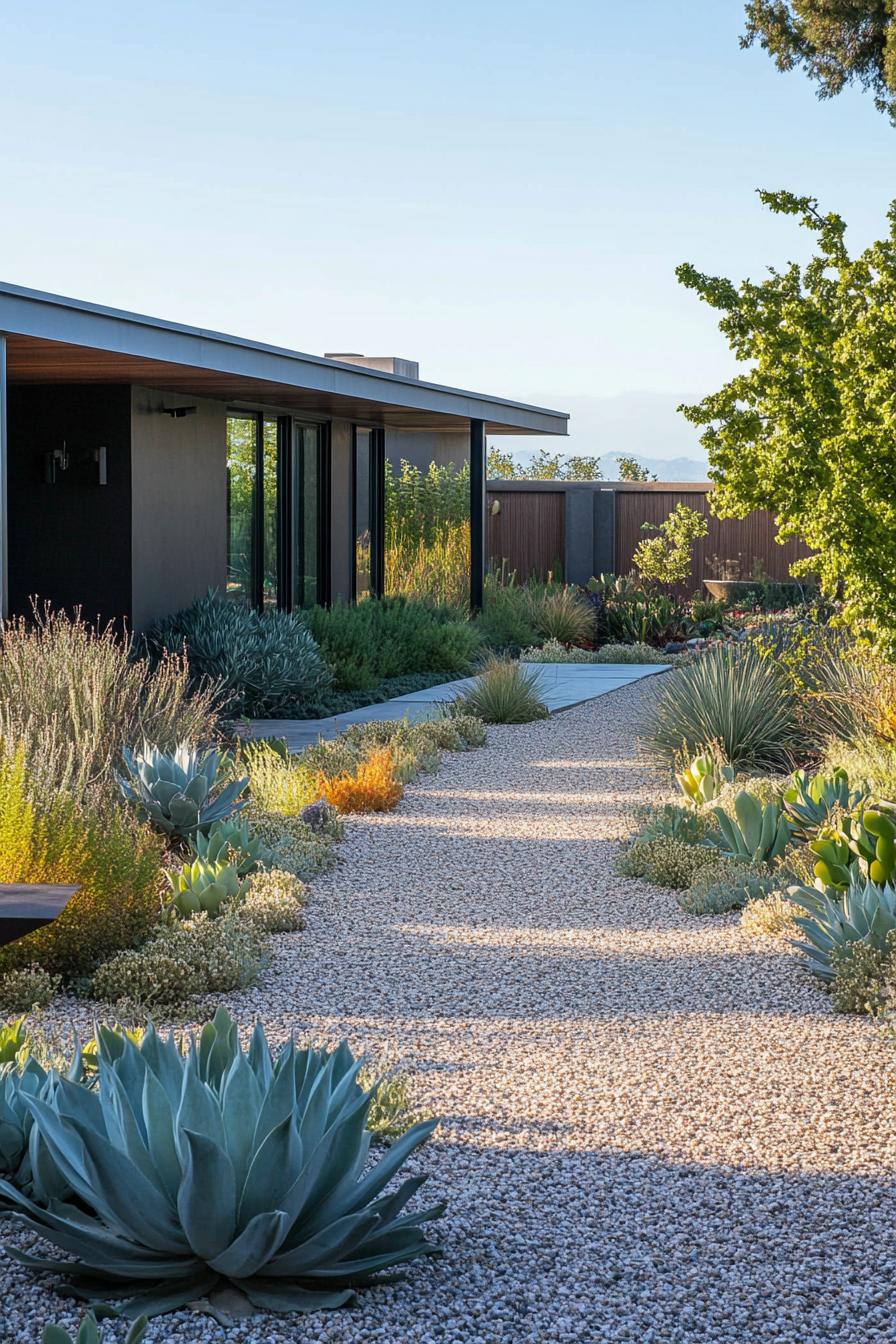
{"type": "Point", "coordinates": [60, 459]}
{"type": "Point", "coordinates": [494, 508]}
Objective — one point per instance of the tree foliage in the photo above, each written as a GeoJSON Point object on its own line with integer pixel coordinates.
{"type": "Point", "coordinates": [808, 429]}
{"type": "Point", "coordinates": [630, 469]}
{"type": "Point", "coordinates": [837, 42]}
{"type": "Point", "coordinates": [669, 556]}
{"type": "Point", "coordinates": [543, 466]}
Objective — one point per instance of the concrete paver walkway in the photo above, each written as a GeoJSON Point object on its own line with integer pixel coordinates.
{"type": "Point", "coordinates": [563, 685]}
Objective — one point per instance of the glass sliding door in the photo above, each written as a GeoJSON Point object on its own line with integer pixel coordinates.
{"type": "Point", "coordinates": [367, 511]}
{"type": "Point", "coordinates": [277, 494]}
{"type": "Point", "coordinates": [308, 494]}
{"type": "Point", "coordinates": [242, 454]}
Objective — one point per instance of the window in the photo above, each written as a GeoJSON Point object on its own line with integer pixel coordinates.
{"type": "Point", "coordinates": [367, 511]}
{"type": "Point", "coordinates": [277, 494]}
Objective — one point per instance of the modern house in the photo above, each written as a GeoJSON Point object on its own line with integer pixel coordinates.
{"type": "Point", "coordinates": [143, 462]}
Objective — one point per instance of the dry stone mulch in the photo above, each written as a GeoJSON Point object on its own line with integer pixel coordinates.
{"type": "Point", "coordinates": [655, 1130]}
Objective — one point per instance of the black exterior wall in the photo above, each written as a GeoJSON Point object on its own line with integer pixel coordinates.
{"type": "Point", "coordinates": [70, 541]}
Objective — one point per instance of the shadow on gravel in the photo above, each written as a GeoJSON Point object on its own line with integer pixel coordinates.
{"type": "Point", "coordinates": [628, 1246]}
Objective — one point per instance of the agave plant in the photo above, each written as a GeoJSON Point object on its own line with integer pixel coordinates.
{"type": "Point", "coordinates": [177, 793]}
{"type": "Point", "coordinates": [89, 1332]}
{"type": "Point", "coordinates": [810, 801]}
{"type": "Point", "coordinates": [703, 779]}
{"type": "Point", "coordinates": [232, 842]}
{"type": "Point", "coordinates": [24, 1158]}
{"type": "Point", "coordinates": [204, 886]}
{"type": "Point", "coordinates": [221, 1167]}
{"type": "Point", "coordinates": [865, 841]}
{"type": "Point", "coordinates": [863, 913]}
{"type": "Point", "coordinates": [755, 833]}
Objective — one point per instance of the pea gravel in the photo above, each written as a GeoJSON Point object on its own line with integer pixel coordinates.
{"type": "Point", "coordinates": [655, 1130]}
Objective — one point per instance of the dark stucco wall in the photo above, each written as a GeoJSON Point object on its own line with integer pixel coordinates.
{"type": "Point", "coordinates": [69, 542]}
{"type": "Point", "coordinates": [179, 485]}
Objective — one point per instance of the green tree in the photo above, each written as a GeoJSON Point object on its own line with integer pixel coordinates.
{"type": "Point", "coordinates": [837, 42]}
{"type": "Point", "coordinates": [808, 428]}
{"type": "Point", "coordinates": [669, 557]}
{"type": "Point", "coordinates": [500, 465]}
{"type": "Point", "coordinates": [630, 469]}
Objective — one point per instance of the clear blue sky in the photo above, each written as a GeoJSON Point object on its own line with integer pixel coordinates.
{"type": "Point", "coordinates": [500, 190]}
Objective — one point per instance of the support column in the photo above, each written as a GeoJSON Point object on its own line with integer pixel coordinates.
{"type": "Point", "coordinates": [4, 569]}
{"type": "Point", "coordinates": [477, 513]}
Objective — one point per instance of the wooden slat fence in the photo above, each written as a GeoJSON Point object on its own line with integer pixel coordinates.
{"type": "Point", "coordinates": [528, 532]}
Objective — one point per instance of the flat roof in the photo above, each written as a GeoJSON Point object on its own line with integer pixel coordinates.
{"type": "Point", "coordinates": [52, 339]}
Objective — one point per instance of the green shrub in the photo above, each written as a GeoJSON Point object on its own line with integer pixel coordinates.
{"type": "Point", "coordinates": [298, 849]}
{"type": "Point", "coordinates": [392, 1111]}
{"type": "Point", "coordinates": [729, 698]}
{"type": "Point", "coordinates": [100, 848]}
{"type": "Point", "coordinates": [669, 556]}
{"type": "Point", "coordinates": [274, 902]}
{"type": "Point", "coordinates": [163, 1231]}
{"type": "Point", "coordinates": [772, 915]}
{"type": "Point", "coordinates": [679, 823]}
{"type": "Point", "coordinates": [554, 652]}
{"type": "Point", "coordinates": [367, 642]}
{"type": "Point", "coordinates": [27, 988]}
{"type": "Point", "coordinates": [862, 976]}
{"type": "Point", "coordinates": [264, 665]}
{"type": "Point", "coordinates": [724, 886]}
{"type": "Point", "coordinates": [631, 610]}
{"type": "Point", "coordinates": [195, 956]}
{"type": "Point", "coordinates": [71, 696]}
{"type": "Point", "coordinates": [665, 862]}
{"type": "Point", "coordinates": [503, 692]}
{"type": "Point", "coordinates": [764, 788]}
{"type": "Point", "coordinates": [505, 622]}
{"type": "Point", "coordinates": [869, 763]}
{"type": "Point", "coordinates": [284, 785]}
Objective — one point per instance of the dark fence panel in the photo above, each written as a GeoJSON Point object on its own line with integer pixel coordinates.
{"type": "Point", "coordinates": [527, 532]}
{"type": "Point", "coordinates": [748, 540]}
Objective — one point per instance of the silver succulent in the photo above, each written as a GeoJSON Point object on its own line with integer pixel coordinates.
{"type": "Point", "coordinates": [177, 792]}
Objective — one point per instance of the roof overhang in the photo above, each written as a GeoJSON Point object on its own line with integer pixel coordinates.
{"type": "Point", "coordinates": [51, 339]}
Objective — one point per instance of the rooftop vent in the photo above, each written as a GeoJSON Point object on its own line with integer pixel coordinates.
{"type": "Point", "coordinates": [405, 368]}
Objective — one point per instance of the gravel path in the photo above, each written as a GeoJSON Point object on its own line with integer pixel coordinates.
{"type": "Point", "coordinates": [655, 1129]}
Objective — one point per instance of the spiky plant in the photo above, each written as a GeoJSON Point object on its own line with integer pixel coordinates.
{"type": "Point", "coordinates": [202, 885]}
{"type": "Point", "coordinates": [221, 1167]}
{"type": "Point", "coordinates": [504, 692]}
{"type": "Point", "coordinates": [810, 801]}
{"type": "Point", "coordinates": [756, 834]}
{"type": "Point", "coordinates": [232, 842]}
{"type": "Point", "coordinates": [177, 793]}
{"type": "Point", "coordinates": [862, 913]}
{"type": "Point", "coordinates": [730, 697]}
{"type": "Point", "coordinates": [89, 1332]}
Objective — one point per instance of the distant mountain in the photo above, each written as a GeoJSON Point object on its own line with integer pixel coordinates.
{"type": "Point", "coordinates": [644, 425]}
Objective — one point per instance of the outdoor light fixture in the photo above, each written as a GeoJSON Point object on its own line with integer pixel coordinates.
{"type": "Point", "coordinates": [60, 459]}
{"type": "Point", "coordinates": [178, 412]}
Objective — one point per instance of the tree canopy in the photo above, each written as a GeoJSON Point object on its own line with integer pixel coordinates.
{"type": "Point", "coordinates": [543, 466]}
{"type": "Point", "coordinates": [808, 428]}
{"type": "Point", "coordinates": [837, 42]}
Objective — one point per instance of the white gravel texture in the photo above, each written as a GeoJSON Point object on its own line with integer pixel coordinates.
{"type": "Point", "coordinates": [655, 1129]}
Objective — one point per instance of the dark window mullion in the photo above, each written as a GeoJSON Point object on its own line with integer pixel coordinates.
{"type": "Point", "coordinates": [257, 596]}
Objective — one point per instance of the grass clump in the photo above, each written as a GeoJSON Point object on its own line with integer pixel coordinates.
{"type": "Point", "coordinates": [72, 695]}
{"type": "Point", "coordinates": [563, 615]}
{"type": "Point", "coordinates": [732, 699]}
{"type": "Point", "coordinates": [504, 692]}
{"type": "Point", "coordinates": [664, 862]}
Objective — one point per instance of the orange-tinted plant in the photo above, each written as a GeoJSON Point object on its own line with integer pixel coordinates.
{"type": "Point", "coordinates": [371, 787]}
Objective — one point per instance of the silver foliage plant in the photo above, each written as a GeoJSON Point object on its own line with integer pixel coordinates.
{"type": "Point", "coordinates": [178, 793]}
{"type": "Point", "coordinates": [220, 1167]}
